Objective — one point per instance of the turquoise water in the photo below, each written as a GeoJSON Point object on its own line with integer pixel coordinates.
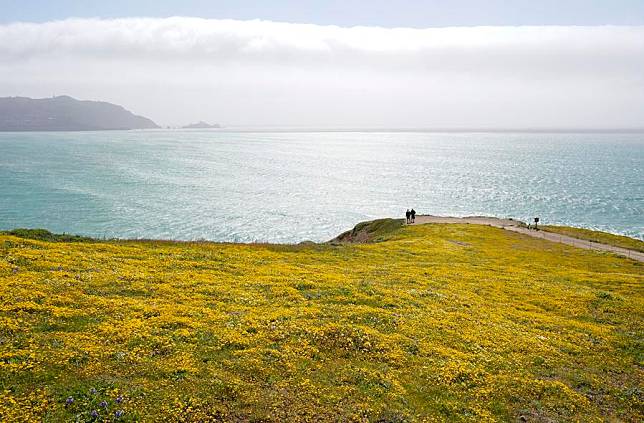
{"type": "Point", "coordinates": [294, 186]}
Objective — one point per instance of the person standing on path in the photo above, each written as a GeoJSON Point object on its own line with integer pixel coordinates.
{"type": "Point", "coordinates": [408, 216]}
{"type": "Point", "coordinates": [413, 215]}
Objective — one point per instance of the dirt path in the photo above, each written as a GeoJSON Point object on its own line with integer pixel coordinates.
{"type": "Point", "coordinates": [515, 226]}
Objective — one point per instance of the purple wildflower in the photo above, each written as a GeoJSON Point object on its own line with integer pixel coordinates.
{"type": "Point", "coordinates": [119, 399]}
{"type": "Point", "coordinates": [119, 413]}
{"type": "Point", "coordinates": [69, 401]}
{"type": "Point", "coordinates": [103, 404]}
{"type": "Point", "coordinates": [94, 414]}
{"type": "Point", "coordinates": [92, 391]}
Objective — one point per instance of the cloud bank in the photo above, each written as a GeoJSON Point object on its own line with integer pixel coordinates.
{"type": "Point", "coordinates": [177, 70]}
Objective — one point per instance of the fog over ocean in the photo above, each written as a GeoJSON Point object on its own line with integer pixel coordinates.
{"type": "Point", "coordinates": [296, 186]}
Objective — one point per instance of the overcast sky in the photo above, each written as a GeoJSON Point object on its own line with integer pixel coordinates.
{"type": "Point", "coordinates": [564, 70]}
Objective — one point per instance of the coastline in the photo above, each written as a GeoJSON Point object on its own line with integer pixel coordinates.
{"type": "Point", "coordinates": [370, 231]}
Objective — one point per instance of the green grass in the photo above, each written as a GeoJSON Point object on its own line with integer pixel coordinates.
{"type": "Point", "coordinates": [371, 231]}
{"type": "Point", "coordinates": [45, 235]}
{"type": "Point", "coordinates": [598, 236]}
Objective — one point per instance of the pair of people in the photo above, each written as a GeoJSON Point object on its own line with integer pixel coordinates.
{"type": "Point", "coordinates": [411, 215]}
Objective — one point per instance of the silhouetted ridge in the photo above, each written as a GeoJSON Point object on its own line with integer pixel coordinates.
{"type": "Point", "coordinates": [64, 113]}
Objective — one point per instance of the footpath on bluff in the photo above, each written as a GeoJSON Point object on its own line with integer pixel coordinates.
{"type": "Point", "coordinates": [516, 226]}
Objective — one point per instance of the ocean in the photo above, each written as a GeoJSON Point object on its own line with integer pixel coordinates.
{"type": "Point", "coordinates": [293, 186]}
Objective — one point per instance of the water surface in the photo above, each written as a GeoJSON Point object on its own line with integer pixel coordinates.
{"type": "Point", "coordinates": [294, 186]}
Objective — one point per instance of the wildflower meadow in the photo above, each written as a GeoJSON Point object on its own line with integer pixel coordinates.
{"type": "Point", "coordinates": [433, 323]}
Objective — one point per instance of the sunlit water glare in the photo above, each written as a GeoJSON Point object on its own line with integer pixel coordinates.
{"type": "Point", "coordinates": [295, 186]}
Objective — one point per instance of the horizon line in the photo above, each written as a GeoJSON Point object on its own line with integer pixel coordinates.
{"type": "Point", "coordinates": [313, 128]}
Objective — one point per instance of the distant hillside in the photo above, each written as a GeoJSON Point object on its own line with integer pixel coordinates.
{"type": "Point", "coordinates": [65, 113]}
{"type": "Point", "coordinates": [201, 125]}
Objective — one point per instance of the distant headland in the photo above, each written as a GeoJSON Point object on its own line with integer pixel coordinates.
{"type": "Point", "coordinates": [64, 113]}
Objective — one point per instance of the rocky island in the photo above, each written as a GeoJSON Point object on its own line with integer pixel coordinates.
{"type": "Point", "coordinates": [202, 125]}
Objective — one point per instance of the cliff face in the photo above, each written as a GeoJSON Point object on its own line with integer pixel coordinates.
{"type": "Point", "coordinates": [65, 113]}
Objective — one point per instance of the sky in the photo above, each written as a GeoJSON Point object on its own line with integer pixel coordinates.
{"type": "Point", "coordinates": [368, 64]}
{"type": "Point", "coordinates": [387, 13]}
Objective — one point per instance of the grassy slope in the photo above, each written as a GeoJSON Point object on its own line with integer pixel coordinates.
{"type": "Point", "coordinates": [458, 322]}
{"type": "Point", "coordinates": [598, 236]}
{"type": "Point", "coordinates": [45, 235]}
{"type": "Point", "coordinates": [372, 231]}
